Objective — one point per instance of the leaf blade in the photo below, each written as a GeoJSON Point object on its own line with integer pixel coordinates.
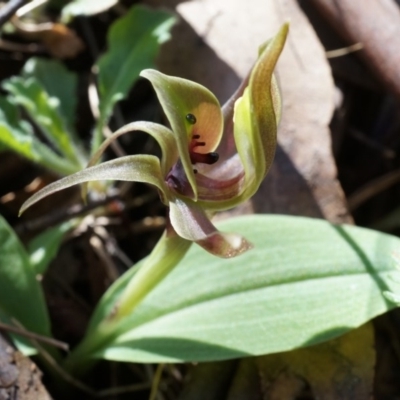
{"type": "Point", "coordinates": [324, 282]}
{"type": "Point", "coordinates": [44, 110]}
{"type": "Point", "coordinates": [17, 135]}
{"type": "Point", "coordinates": [58, 82]}
{"type": "Point", "coordinates": [18, 284]}
{"type": "Point", "coordinates": [133, 44]}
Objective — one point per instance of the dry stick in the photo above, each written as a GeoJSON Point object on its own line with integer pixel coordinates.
{"type": "Point", "coordinates": [34, 336]}
{"type": "Point", "coordinates": [385, 151]}
{"type": "Point", "coordinates": [372, 188]}
{"type": "Point", "coordinates": [9, 9]}
{"type": "Point", "coordinates": [344, 50]}
{"type": "Point", "coordinates": [108, 263]}
{"type": "Point", "coordinates": [18, 47]}
{"type": "Point", "coordinates": [59, 216]}
{"type": "Point", "coordinates": [85, 388]}
{"type": "Point", "coordinates": [123, 389]}
{"type": "Point", "coordinates": [156, 382]}
{"type": "Point", "coordinates": [94, 103]}
{"type": "Point", "coordinates": [64, 374]}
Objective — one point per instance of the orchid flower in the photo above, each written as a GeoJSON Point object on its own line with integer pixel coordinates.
{"type": "Point", "coordinates": [212, 159]}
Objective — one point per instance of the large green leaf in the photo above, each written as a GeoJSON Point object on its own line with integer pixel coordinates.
{"type": "Point", "coordinates": [21, 296]}
{"type": "Point", "coordinates": [58, 82]}
{"type": "Point", "coordinates": [133, 43]}
{"type": "Point", "coordinates": [17, 135]}
{"type": "Point", "coordinates": [45, 111]}
{"type": "Point", "coordinates": [305, 281]}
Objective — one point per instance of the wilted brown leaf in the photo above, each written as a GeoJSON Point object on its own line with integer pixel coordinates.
{"type": "Point", "coordinates": [61, 41]}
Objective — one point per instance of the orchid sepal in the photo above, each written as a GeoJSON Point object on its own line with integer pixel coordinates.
{"type": "Point", "coordinates": [258, 113]}
{"type": "Point", "coordinates": [139, 168]}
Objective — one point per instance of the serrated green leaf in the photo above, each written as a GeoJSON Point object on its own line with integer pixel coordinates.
{"type": "Point", "coordinates": [306, 281]}
{"type": "Point", "coordinates": [44, 247]}
{"type": "Point", "coordinates": [133, 43]}
{"type": "Point", "coordinates": [58, 82]}
{"type": "Point", "coordinates": [17, 135]}
{"type": "Point", "coordinates": [44, 110]}
{"type": "Point", "coordinates": [85, 7]}
{"type": "Point", "coordinates": [21, 296]}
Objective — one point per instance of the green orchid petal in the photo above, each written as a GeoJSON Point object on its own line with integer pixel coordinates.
{"type": "Point", "coordinates": [138, 168]}
{"type": "Point", "coordinates": [192, 223]}
{"type": "Point", "coordinates": [180, 98]}
{"type": "Point", "coordinates": [256, 115]}
{"type": "Point", "coordinates": [164, 137]}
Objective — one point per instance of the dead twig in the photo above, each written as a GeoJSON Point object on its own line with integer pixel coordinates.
{"type": "Point", "coordinates": [59, 216]}
{"type": "Point", "coordinates": [373, 188]}
{"type": "Point", "coordinates": [34, 336]}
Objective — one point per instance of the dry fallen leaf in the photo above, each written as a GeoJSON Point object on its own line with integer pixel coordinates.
{"type": "Point", "coordinates": [341, 369]}
{"type": "Point", "coordinates": [60, 41]}
{"type": "Point", "coordinates": [336, 370]}
{"type": "Point", "coordinates": [20, 379]}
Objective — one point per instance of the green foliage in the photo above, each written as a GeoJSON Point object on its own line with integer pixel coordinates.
{"type": "Point", "coordinates": [17, 135]}
{"type": "Point", "coordinates": [133, 43]}
{"type": "Point", "coordinates": [21, 295]}
{"type": "Point", "coordinates": [44, 247]}
{"type": "Point", "coordinates": [59, 83]}
{"type": "Point", "coordinates": [306, 281]}
{"type": "Point", "coordinates": [44, 110]}
{"type": "Point", "coordinates": [47, 91]}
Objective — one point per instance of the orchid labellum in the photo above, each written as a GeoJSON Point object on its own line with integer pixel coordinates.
{"type": "Point", "coordinates": [213, 158]}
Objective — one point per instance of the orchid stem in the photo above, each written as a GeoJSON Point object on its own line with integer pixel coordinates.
{"type": "Point", "coordinates": [167, 254]}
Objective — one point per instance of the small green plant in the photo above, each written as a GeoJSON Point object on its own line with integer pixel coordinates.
{"type": "Point", "coordinates": [205, 309]}
{"type": "Point", "coordinates": [199, 172]}
{"type": "Point", "coordinates": [276, 283]}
